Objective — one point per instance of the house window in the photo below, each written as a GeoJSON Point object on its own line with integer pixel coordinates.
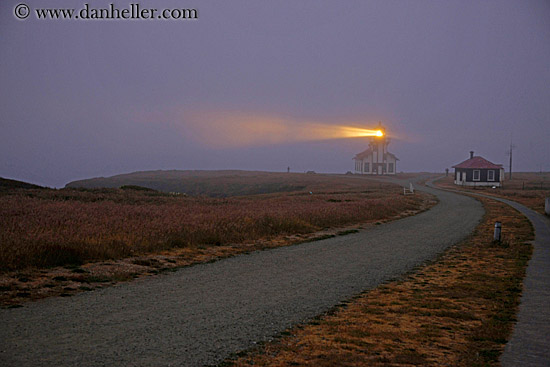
{"type": "Point", "coordinates": [476, 175]}
{"type": "Point", "coordinates": [390, 167]}
{"type": "Point", "coordinates": [367, 167]}
{"type": "Point", "coordinates": [490, 175]}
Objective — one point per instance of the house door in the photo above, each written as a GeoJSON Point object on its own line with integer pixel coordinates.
{"type": "Point", "coordinates": [463, 177]}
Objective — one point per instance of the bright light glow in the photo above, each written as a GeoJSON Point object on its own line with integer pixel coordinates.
{"type": "Point", "coordinates": [230, 129]}
{"type": "Point", "coordinates": [354, 132]}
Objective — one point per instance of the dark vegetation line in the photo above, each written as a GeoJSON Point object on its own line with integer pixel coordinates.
{"type": "Point", "coordinates": [7, 184]}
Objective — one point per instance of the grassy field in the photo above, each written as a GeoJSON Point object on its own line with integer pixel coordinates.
{"type": "Point", "coordinates": [61, 242]}
{"type": "Point", "coordinates": [527, 188]}
{"type": "Point", "coordinates": [44, 227]}
{"type": "Point", "coordinates": [456, 311]}
{"type": "Point", "coordinates": [208, 183]}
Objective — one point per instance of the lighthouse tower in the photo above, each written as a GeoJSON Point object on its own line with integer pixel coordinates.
{"type": "Point", "coordinates": [376, 160]}
{"type": "Point", "coordinates": [379, 146]}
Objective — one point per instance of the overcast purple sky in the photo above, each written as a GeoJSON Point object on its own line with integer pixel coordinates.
{"type": "Point", "coordinates": [95, 98]}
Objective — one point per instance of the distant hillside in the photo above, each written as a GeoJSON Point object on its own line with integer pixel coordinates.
{"type": "Point", "coordinates": [6, 183]}
{"type": "Point", "coordinates": [208, 183]}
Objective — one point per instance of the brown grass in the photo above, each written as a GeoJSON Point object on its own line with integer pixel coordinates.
{"type": "Point", "coordinates": [60, 242]}
{"type": "Point", "coordinates": [56, 227]}
{"type": "Point", "coordinates": [457, 311]}
{"type": "Point", "coordinates": [527, 188]}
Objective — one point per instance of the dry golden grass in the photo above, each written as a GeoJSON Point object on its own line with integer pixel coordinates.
{"type": "Point", "coordinates": [457, 311]}
{"type": "Point", "coordinates": [57, 227]}
{"type": "Point", "coordinates": [101, 237]}
{"type": "Point", "coordinates": [527, 188]}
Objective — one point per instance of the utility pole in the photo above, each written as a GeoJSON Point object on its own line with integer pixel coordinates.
{"type": "Point", "coordinates": [509, 152]}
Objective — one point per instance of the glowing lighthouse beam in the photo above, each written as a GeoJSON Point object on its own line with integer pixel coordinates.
{"type": "Point", "coordinates": [356, 132]}
{"type": "Point", "coordinates": [230, 129]}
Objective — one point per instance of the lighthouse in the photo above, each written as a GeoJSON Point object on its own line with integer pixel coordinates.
{"type": "Point", "coordinates": [376, 160]}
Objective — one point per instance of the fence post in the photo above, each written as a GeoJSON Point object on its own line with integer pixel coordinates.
{"type": "Point", "coordinates": [498, 228]}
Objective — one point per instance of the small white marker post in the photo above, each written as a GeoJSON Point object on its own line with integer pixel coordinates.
{"type": "Point", "coordinates": [410, 190]}
{"type": "Point", "coordinates": [498, 230]}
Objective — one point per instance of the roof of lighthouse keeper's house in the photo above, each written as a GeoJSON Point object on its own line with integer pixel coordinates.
{"type": "Point", "coordinates": [368, 152]}
{"type": "Point", "coordinates": [478, 163]}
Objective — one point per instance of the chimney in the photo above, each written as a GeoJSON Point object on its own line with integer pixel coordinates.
{"type": "Point", "coordinates": [471, 154]}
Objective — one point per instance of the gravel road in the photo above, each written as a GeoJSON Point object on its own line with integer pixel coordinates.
{"type": "Point", "coordinates": [201, 314]}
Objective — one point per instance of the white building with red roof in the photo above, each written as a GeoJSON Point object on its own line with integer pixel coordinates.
{"type": "Point", "coordinates": [478, 171]}
{"type": "Point", "coordinates": [376, 160]}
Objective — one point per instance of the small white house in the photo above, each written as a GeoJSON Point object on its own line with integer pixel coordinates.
{"type": "Point", "coordinates": [370, 162]}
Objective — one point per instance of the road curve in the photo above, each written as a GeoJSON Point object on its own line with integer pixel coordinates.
{"type": "Point", "coordinates": [201, 314]}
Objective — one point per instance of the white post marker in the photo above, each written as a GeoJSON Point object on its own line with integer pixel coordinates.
{"type": "Point", "coordinates": [410, 190]}
{"type": "Point", "coordinates": [498, 230]}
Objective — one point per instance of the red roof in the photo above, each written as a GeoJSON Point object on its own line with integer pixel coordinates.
{"type": "Point", "coordinates": [478, 162]}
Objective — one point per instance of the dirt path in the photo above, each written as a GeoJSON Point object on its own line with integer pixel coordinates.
{"type": "Point", "coordinates": [199, 315]}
